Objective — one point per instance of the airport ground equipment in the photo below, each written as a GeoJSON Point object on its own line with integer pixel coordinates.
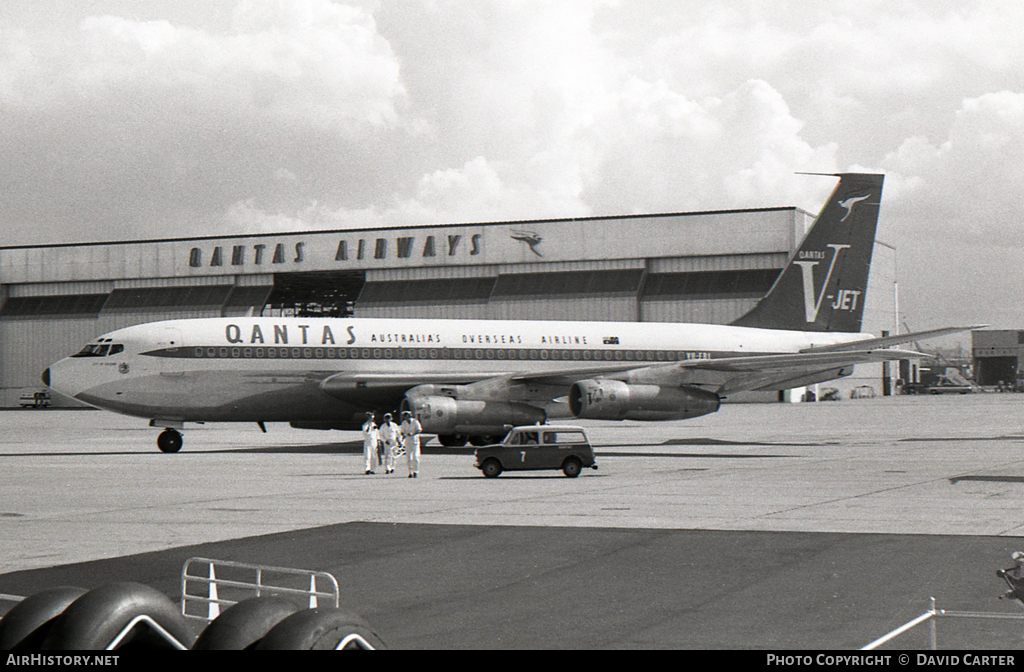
{"type": "Point", "coordinates": [27, 623]}
{"type": "Point", "coordinates": [1014, 578]}
{"type": "Point", "coordinates": [34, 400]}
{"type": "Point", "coordinates": [536, 447]}
{"type": "Point", "coordinates": [113, 616]}
{"type": "Point", "coordinates": [265, 607]}
{"type": "Point", "coordinates": [235, 605]}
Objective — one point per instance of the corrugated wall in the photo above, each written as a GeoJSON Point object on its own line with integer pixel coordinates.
{"type": "Point", "coordinates": [705, 310]}
{"type": "Point", "coordinates": [28, 344]}
{"type": "Point", "coordinates": [617, 309]}
{"type": "Point", "coordinates": [27, 347]}
{"type": "Point", "coordinates": [709, 311]}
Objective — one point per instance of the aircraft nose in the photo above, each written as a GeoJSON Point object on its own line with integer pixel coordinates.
{"type": "Point", "coordinates": [46, 377]}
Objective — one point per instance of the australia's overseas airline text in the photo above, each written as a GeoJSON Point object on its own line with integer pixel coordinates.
{"type": "Point", "coordinates": [305, 334]}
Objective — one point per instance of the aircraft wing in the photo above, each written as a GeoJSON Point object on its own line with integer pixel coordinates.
{"type": "Point", "coordinates": [887, 341]}
{"type": "Point", "coordinates": [774, 372]}
{"type": "Point", "coordinates": [722, 375]}
{"type": "Point", "coordinates": [734, 374]}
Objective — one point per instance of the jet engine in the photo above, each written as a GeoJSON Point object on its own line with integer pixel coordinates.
{"type": "Point", "coordinates": [445, 415]}
{"type": "Point", "coordinates": [616, 400]}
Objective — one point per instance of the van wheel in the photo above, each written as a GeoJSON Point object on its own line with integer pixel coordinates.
{"type": "Point", "coordinates": [491, 468]}
{"type": "Point", "coordinates": [571, 467]}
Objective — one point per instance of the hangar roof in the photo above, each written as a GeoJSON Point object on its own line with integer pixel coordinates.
{"type": "Point", "coordinates": [723, 232]}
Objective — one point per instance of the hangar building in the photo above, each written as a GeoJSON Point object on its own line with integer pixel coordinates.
{"type": "Point", "coordinates": [998, 357]}
{"type": "Point", "coordinates": [708, 267]}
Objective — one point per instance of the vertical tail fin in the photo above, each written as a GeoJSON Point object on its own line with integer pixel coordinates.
{"type": "Point", "coordinates": [824, 284]}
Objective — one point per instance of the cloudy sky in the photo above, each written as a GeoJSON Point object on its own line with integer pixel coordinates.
{"type": "Point", "coordinates": [166, 118]}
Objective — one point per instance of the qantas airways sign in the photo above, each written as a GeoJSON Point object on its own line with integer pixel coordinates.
{"type": "Point", "coordinates": [321, 252]}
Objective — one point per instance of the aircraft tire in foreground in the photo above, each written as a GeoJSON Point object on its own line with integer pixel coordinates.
{"type": "Point", "coordinates": [244, 625]}
{"type": "Point", "coordinates": [452, 440]}
{"type": "Point", "coordinates": [169, 441]}
{"type": "Point", "coordinates": [319, 630]}
{"type": "Point", "coordinates": [109, 616]}
{"type": "Point", "coordinates": [25, 626]}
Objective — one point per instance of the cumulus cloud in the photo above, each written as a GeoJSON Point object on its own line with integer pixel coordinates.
{"type": "Point", "coordinates": [309, 61]}
{"type": "Point", "coordinates": [157, 125]}
{"type": "Point", "coordinates": [956, 211]}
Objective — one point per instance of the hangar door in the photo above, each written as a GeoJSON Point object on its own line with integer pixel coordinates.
{"type": "Point", "coordinates": [315, 294]}
{"type": "Point", "coordinates": [996, 370]}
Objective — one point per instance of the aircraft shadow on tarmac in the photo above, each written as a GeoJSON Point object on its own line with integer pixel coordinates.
{"type": "Point", "coordinates": [518, 476]}
{"type": "Point", "coordinates": [356, 448]}
{"type": "Point", "coordinates": [987, 478]}
{"type": "Point", "coordinates": [724, 442]}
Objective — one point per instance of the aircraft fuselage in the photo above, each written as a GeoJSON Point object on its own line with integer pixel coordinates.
{"type": "Point", "coordinates": [274, 369]}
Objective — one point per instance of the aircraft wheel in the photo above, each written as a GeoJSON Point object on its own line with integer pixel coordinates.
{"type": "Point", "coordinates": [486, 439]}
{"type": "Point", "coordinates": [95, 620]}
{"type": "Point", "coordinates": [491, 468]}
{"type": "Point", "coordinates": [571, 467]}
{"type": "Point", "coordinates": [243, 625]}
{"type": "Point", "coordinates": [169, 441]}
{"type": "Point", "coordinates": [452, 440]}
{"type": "Point", "coordinates": [319, 630]}
{"type": "Point", "coordinates": [24, 627]}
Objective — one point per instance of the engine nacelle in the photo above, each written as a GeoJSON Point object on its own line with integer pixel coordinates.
{"type": "Point", "coordinates": [616, 400]}
{"type": "Point", "coordinates": [445, 415]}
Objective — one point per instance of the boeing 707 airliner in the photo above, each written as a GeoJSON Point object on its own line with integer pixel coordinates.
{"type": "Point", "coordinates": [472, 379]}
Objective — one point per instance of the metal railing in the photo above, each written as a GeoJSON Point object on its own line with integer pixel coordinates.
{"type": "Point", "coordinates": [209, 585]}
{"type": "Point", "coordinates": [930, 617]}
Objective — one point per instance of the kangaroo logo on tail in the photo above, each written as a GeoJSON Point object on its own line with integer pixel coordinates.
{"type": "Point", "coordinates": [850, 202]}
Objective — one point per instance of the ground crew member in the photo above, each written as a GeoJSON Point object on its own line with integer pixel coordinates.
{"type": "Point", "coordinates": [390, 435]}
{"type": "Point", "coordinates": [371, 435]}
{"type": "Point", "coordinates": [411, 430]}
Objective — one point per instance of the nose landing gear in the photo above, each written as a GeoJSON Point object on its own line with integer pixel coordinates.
{"type": "Point", "coordinates": [169, 441]}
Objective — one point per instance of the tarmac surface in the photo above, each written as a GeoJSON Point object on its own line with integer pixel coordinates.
{"type": "Point", "coordinates": [762, 526]}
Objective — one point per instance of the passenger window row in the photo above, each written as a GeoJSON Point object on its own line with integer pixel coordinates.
{"type": "Point", "coordinates": [439, 353]}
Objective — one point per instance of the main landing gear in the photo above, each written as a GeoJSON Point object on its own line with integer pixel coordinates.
{"type": "Point", "coordinates": [459, 440]}
{"type": "Point", "coordinates": [169, 441]}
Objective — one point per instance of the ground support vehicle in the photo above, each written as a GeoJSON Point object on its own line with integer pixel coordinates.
{"type": "Point", "coordinates": [34, 400]}
{"type": "Point", "coordinates": [536, 447]}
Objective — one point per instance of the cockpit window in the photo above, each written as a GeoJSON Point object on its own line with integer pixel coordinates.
{"type": "Point", "coordinates": [100, 350]}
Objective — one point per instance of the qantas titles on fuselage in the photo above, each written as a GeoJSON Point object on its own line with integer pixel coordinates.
{"type": "Point", "coordinates": [278, 334]}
